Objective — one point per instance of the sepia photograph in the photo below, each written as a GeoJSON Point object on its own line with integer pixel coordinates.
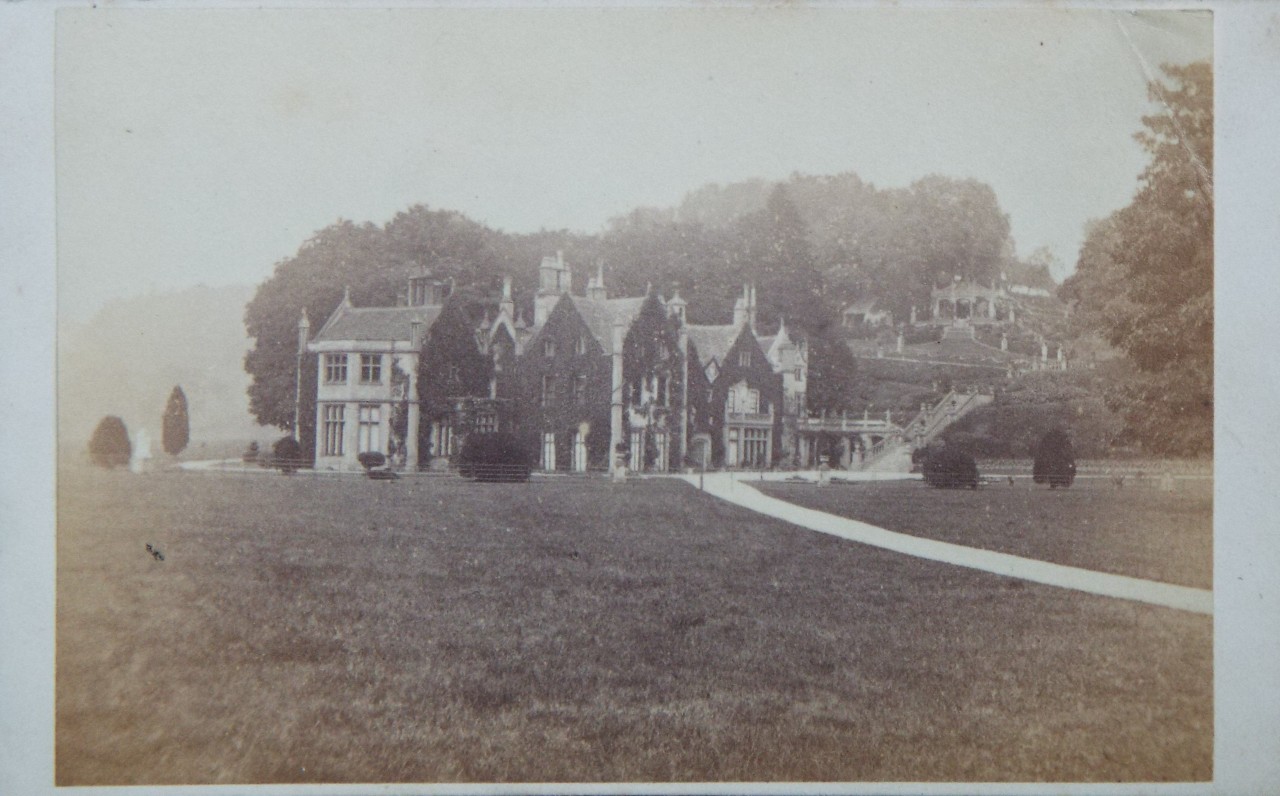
{"type": "Point", "coordinates": [701, 394]}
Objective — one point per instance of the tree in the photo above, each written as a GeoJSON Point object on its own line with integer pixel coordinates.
{"type": "Point", "coordinates": [777, 257]}
{"type": "Point", "coordinates": [1145, 275]}
{"type": "Point", "coordinates": [833, 369]}
{"type": "Point", "coordinates": [375, 263]}
{"type": "Point", "coordinates": [175, 432]}
{"type": "Point", "coordinates": [1055, 460]}
{"type": "Point", "coordinates": [110, 446]}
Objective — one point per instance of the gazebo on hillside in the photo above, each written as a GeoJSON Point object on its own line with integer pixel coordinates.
{"type": "Point", "coordinates": [972, 303]}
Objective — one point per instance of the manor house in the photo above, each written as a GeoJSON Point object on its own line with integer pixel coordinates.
{"type": "Point", "coordinates": [592, 381]}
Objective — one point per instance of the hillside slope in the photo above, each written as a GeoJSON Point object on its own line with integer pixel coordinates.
{"type": "Point", "coordinates": [127, 359]}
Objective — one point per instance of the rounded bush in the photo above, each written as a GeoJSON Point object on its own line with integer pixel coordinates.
{"type": "Point", "coordinates": [949, 468]}
{"type": "Point", "coordinates": [495, 457]}
{"type": "Point", "coordinates": [287, 455]}
{"type": "Point", "coordinates": [1055, 460]}
{"type": "Point", "coordinates": [371, 459]}
{"type": "Point", "coordinates": [110, 445]}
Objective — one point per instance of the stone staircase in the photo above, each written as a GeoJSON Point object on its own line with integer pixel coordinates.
{"type": "Point", "coordinates": [894, 454]}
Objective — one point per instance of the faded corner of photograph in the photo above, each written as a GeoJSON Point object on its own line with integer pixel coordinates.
{"type": "Point", "coordinates": [811, 395]}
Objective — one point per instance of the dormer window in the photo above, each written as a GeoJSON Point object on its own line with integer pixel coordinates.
{"type": "Point", "coordinates": [744, 358]}
{"type": "Point", "coordinates": [582, 345]}
{"type": "Point", "coordinates": [548, 347]}
{"type": "Point", "coordinates": [424, 291]}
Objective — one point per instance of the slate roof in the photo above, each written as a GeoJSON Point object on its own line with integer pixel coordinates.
{"type": "Point", "coordinates": [713, 342]}
{"type": "Point", "coordinates": [600, 316]}
{"type": "Point", "coordinates": [369, 324]}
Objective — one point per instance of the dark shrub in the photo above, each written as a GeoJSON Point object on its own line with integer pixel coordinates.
{"type": "Point", "coordinates": [1055, 460]}
{"type": "Point", "coordinates": [110, 446]}
{"type": "Point", "coordinates": [948, 468]}
{"type": "Point", "coordinates": [250, 456]}
{"type": "Point", "coordinates": [287, 455]}
{"type": "Point", "coordinates": [495, 457]}
{"type": "Point", "coordinates": [375, 466]}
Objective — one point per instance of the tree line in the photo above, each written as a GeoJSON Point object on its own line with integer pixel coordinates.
{"type": "Point", "coordinates": [811, 244]}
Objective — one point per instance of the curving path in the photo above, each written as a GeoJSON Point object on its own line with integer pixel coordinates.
{"type": "Point", "coordinates": [729, 487]}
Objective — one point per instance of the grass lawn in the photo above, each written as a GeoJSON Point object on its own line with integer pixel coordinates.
{"type": "Point", "coordinates": [308, 629]}
{"type": "Point", "coordinates": [1137, 531]}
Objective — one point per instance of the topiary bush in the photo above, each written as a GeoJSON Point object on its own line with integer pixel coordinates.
{"type": "Point", "coordinates": [250, 456]}
{"type": "Point", "coordinates": [375, 466]}
{"type": "Point", "coordinates": [110, 445]}
{"type": "Point", "coordinates": [949, 468]}
{"type": "Point", "coordinates": [495, 457]}
{"type": "Point", "coordinates": [1055, 460]}
{"type": "Point", "coordinates": [286, 455]}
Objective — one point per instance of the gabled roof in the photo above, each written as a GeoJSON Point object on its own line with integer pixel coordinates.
{"type": "Point", "coordinates": [600, 315]}
{"type": "Point", "coordinates": [369, 324]}
{"type": "Point", "coordinates": [713, 342]}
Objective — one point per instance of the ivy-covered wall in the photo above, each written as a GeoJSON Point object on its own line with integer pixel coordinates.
{"type": "Point", "coordinates": [564, 413]}
{"type": "Point", "coordinates": [759, 375]}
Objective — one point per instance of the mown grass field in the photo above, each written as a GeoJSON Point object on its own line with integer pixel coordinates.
{"type": "Point", "coordinates": [1139, 530]}
{"type": "Point", "coordinates": [307, 629]}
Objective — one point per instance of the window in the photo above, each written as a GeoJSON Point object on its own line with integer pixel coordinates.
{"type": "Point", "coordinates": [547, 386]}
{"type": "Point", "coordinates": [335, 368]}
{"type": "Point", "coordinates": [333, 427]}
{"type": "Point", "coordinates": [370, 436]}
{"type": "Point", "coordinates": [548, 348]}
{"type": "Point", "coordinates": [548, 451]}
{"type": "Point", "coordinates": [637, 450]}
{"type": "Point", "coordinates": [660, 449]}
{"type": "Point", "coordinates": [582, 345]}
{"type": "Point", "coordinates": [744, 358]}
{"type": "Point", "coordinates": [370, 368]}
{"type": "Point", "coordinates": [753, 402]}
{"type": "Point", "coordinates": [799, 373]}
{"type": "Point", "coordinates": [731, 401]}
{"type": "Point", "coordinates": [486, 423]}
{"type": "Point", "coordinates": [579, 452]}
{"type": "Point", "coordinates": [580, 389]}
{"type": "Point", "coordinates": [425, 291]}
{"type": "Point", "coordinates": [755, 447]}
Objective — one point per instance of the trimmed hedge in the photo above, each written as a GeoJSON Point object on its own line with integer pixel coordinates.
{"type": "Point", "coordinates": [287, 455]}
{"type": "Point", "coordinates": [495, 457]}
{"type": "Point", "coordinates": [110, 445]}
{"type": "Point", "coordinates": [948, 468]}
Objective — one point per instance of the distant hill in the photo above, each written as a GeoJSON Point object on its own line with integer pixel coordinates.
{"type": "Point", "coordinates": [129, 357]}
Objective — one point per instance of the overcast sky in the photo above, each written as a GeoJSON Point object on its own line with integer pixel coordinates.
{"type": "Point", "coordinates": [204, 146]}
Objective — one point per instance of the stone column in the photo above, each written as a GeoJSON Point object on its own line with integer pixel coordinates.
{"type": "Point", "coordinates": [615, 407]}
{"type": "Point", "coordinates": [684, 392]}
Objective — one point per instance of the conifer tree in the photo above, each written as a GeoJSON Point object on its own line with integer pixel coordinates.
{"type": "Point", "coordinates": [176, 428]}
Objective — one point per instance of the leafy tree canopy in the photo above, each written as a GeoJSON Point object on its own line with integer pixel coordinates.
{"type": "Point", "coordinates": [1144, 280]}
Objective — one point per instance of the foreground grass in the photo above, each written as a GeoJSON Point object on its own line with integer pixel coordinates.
{"type": "Point", "coordinates": [1137, 531]}
{"type": "Point", "coordinates": [310, 629]}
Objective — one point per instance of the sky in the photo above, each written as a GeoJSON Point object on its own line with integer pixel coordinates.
{"type": "Point", "coordinates": [203, 146]}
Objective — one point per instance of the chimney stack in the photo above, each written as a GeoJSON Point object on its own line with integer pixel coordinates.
{"type": "Point", "coordinates": [506, 304]}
